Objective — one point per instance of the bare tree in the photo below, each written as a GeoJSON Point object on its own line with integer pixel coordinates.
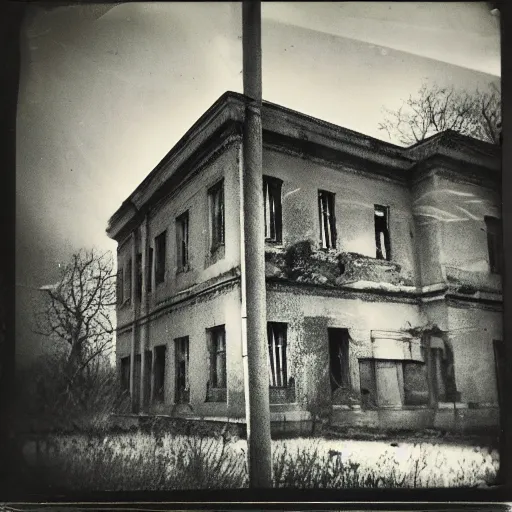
{"type": "Point", "coordinates": [78, 311]}
{"type": "Point", "coordinates": [435, 109]}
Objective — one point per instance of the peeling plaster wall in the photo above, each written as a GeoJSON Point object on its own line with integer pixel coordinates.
{"type": "Point", "coordinates": [472, 331]}
{"type": "Point", "coordinates": [309, 316]}
{"type": "Point", "coordinates": [464, 235]}
{"type": "Point", "coordinates": [192, 320]}
{"type": "Point", "coordinates": [356, 196]}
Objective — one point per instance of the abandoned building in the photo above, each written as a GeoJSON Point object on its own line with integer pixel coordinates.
{"type": "Point", "coordinates": [384, 297]}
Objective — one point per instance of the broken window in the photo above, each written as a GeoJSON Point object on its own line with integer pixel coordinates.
{"type": "Point", "coordinates": [128, 281]}
{"type": "Point", "coordinates": [217, 348]}
{"type": "Point", "coordinates": [182, 372]}
{"type": "Point", "coordinates": [272, 208]}
{"type": "Point", "coordinates": [125, 373]}
{"type": "Point", "coordinates": [276, 333]}
{"type": "Point", "coordinates": [216, 209]}
{"type": "Point", "coordinates": [382, 241]}
{"type": "Point", "coordinates": [160, 248]}
{"type": "Point", "coordinates": [326, 204]}
{"type": "Point", "coordinates": [120, 286]}
{"type": "Point", "coordinates": [150, 270]}
{"type": "Point", "coordinates": [159, 375]}
{"type": "Point", "coordinates": [182, 241]}
{"type": "Point", "coordinates": [139, 277]}
{"type": "Point", "coordinates": [494, 244]}
{"type": "Point", "coordinates": [339, 369]}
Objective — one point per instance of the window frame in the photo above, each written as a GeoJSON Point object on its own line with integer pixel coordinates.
{"type": "Point", "coordinates": [272, 195]}
{"type": "Point", "coordinates": [277, 331]}
{"type": "Point", "coordinates": [214, 334]}
{"type": "Point", "coordinates": [387, 233]}
{"type": "Point", "coordinates": [183, 398]}
{"type": "Point", "coordinates": [327, 219]}
{"type": "Point", "coordinates": [159, 392]}
{"type": "Point", "coordinates": [214, 230]}
{"type": "Point", "coordinates": [494, 232]}
{"type": "Point", "coordinates": [160, 256]}
{"type": "Point", "coordinates": [182, 241]}
{"type": "Point", "coordinates": [127, 282]}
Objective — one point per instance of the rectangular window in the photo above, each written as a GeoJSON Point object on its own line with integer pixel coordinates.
{"type": "Point", "coordinates": [382, 241]}
{"type": "Point", "coordinates": [127, 294]}
{"type": "Point", "coordinates": [182, 241]}
{"type": "Point", "coordinates": [181, 370]}
{"type": "Point", "coordinates": [327, 217]}
{"type": "Point", "coordinates": [277, 360]}
{"type": "Point", "coordinates": [217, 349]}
{"type": "Point", "coordinates": [125, 373]}
{"type": "Point", "coordinates": [339, 369]}
{"type": "Point", "coordinates": [388, 383]}
{"type": "Point", "coordinates": [272, 208]}
{"type": "Point", "coordinates": [159, 383]}
{"type": "Point", "coordinates": [160, 249]}
{"type": "Point", "coordinates": [120, 286]}
{"type": "Point", "coordinates": [139, 277]}
{"type": "Point", "coordinates": [150, 270]}
{"type": "Point", "coordinates": [216, 210]}
{"type": "Point", "coordinates": [494, 244]}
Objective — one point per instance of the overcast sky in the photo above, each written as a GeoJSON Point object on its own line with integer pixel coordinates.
{"type": "Point", "coordinates": [106, 92]}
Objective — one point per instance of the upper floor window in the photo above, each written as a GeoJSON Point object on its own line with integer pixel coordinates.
{"type": "Point", "coordinates": [120, 286]}
{"type": "Point", "coordinates": [382, 239]}
{"type": "Point", "coordinates": [127, 293]}
{"type": "Point", "coordinates": [216, 212]}
{"type": "Point", "coordinates": [494, 244]}
{"type": "Point", "coordinates": [326, 204]}
{"type": "Point", "coordinates": [277, 344]}
{"type": "Point", "coordinates": [272, 208]}
{"type": "Point", "coordinates": [139, 277]}
{"type": "Point", "coordinates": [150, 269]}
{"type": "Point", "coordinates": [182, 241]}
{"type": "Point", "coordinates": [160, 249]}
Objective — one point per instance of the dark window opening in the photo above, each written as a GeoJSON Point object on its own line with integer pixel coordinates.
{"type": "Point", "coordinates": [159, 383]}
{"type": "Point", "coordinates": [128, 281]}
{"type": "Point", "coordinates": [499, 360]}
{"type": "Point", "coordinates": [272, 209]}
{"type": "Point", "coordinates": [217, 348]}
{"type": "Point", "coordinates": [339, 369]}
{"type": "Point", "coordinates": [160, 249]}
{"type": "Point", "coordinates": [494, 244]}
{"type": "Point", "coordinates": [216, 209]}
{"type": "Point", "coordinates": [182, 370]}
{"type": "Point", "coordinates": [150, 270]}
{"type": "Point", "coordinates": [125, 373]}
{"type": "Point", "coordinates": [120, 286]}
{"type": "Point", "coordinates": [327, 217]}
{"type": "Point", "coordinates": [182, 241]}
{"type": "Point", "coordinates": [139, 277]}
{"type": "Point", "coordinates": [277, 345]}
{"type": "Point", "coordinates": [148, 361]}
{"type": "Point", "coordinates": [382, 239]}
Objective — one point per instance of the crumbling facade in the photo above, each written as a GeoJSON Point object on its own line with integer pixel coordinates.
{"type": "Point", "coordinates": [384, 302]}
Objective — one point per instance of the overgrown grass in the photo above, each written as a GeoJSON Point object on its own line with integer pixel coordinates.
{"type": "Point", "coordinates": [163, 461]}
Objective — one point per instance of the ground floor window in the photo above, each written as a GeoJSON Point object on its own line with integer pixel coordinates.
{"type": "Point", "coordinates": [388, 383]}
{"type": "Point", "coordinates": [159, 374]}
{"type": "Point", "coordinates": [125, 373]}
{"type": "Point", "coordinates": [216, 338]}
{"type": "Point", "coordinates": [182, 370]}
{"type": "Point", "coordinates": [277, 357]}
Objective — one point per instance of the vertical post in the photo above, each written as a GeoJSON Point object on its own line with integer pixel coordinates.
{"type": "Point", "coordinates": [254, 305]}
{"type": "Point", "coordinates": [134, 331]}
{"type": "Point", "coordinates": [142, 310]}
{"type": "Point", "coordinates": [427, 342]}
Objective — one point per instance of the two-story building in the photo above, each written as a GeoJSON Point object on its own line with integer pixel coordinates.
{"type": "Point", "coordinates": [384, 302]}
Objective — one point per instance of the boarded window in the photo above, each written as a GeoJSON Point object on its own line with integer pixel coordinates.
{"type": "Point", "coordinates": [150, 270]}
{"type": "Point", "coordinates": [128, 281]}
{"type": "Point", "coordinates": [160, 249]}
{"type": "Point", "coordinates": [125, 373]}
{"type": "Point", "coordinates": [494, 244]}
{"type": "Point", "coordinates": [272, 208]}
{"type": "Point", "coordinates": [139, 277]}
{"type": "Point", "coordinates": [327, 218]}
{"type": "Point", "coordinates": [217, 349]}
{"type": "Point", "coordinates": [277, 357]}
{"type": "Point", "coordinates": [182, 241]}
{"type": "Point", "coordinates": [159, 383]}
{"type": "Point", "coordinates": [382, 238]}
{"type": "Point", "coordinates": [181, 370]}
{"type": "Point", "coordinates": [216, 212]}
